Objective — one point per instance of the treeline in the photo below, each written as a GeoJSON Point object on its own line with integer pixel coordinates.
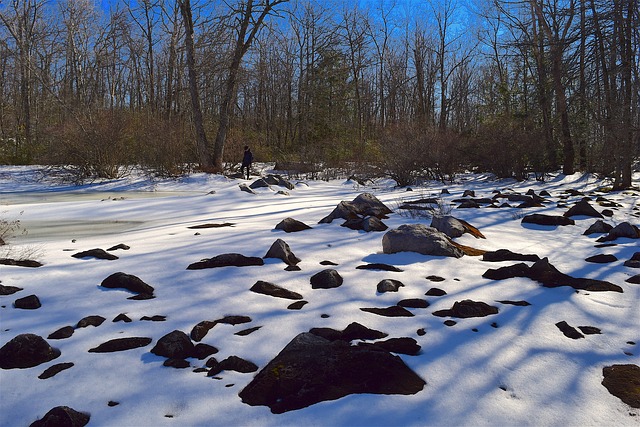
{"type": "Point", "coordinates": [417, 89]}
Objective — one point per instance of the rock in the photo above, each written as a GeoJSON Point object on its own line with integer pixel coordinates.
{"type": "Point", "coordinates": [607, 212]}
{"type": "Point", "coordinates": [297, 305]}
{"type": "Point", "coordinates": [467, 308]}
{"type": "Point", "coordinates": [154, 318]}
{"type": "Point", "coordinates": [435, 292]}
{"type": "Point", "coordinates": [421, 239]}
{"type": "Point", "coordinates": [62, 333]}
{"type": "Point", "coordinates": [281, 250]}
{"type": "Point", "coordinates": [62, 416]}
{"type": "Point", "coordinates": [367, 224]}
{"type": "Point", "coordinates": [120, 246]}
{"type": "Point", "coordinates": [583, 208]}
{"type": "Point", "coordinates": [122, 318]}
{"type": "Point", "coordinates": [234, 320]}
{"type": "Point", "coordinates": [624, 229]}
{"type": "Point", "coordinates": [235, 363]}
{"type": "Point", "coordinates": [403, 345]}
{"type": "Point", "coordinates": [266, 288]}
{"type": "Point", "coordinates": [226, 260]}
{"type": "Point", "coordinates": [26, 351]}
{"type": "Point", "coordinates": [468, 204]}
{"type": "Point", "coordinates": [326, 279]}
{"type": "Point", "coordinates": [623, 381]}
{"type": "Point", "coordinates": [127, 281]}
{"type": "Point", "coordinates": [201, 329]}
{"type": "Point", "coordinates": [569, 331]}
{"type": "Point", "coordinates": [247, 331]}
{"type": "Point", "coordinates": [590, 330]}
{"type": "Point", "coordinates": [246, 189]}
{"type": "Point", "coordinates": [121, 344]}
{"type": "Point", "coordinates": [379, 266]}
{"type": "Point", "coordinates": [552, 220]}
{"type": "Point", "coordinates": [355, 331]}
{"type": "Point", "coordinates": [468, 193]}
{"type": "Point", "coordinates": [599, 227]}
{"type": "Point", "coordinates": [202, 351]}
{"type": "Point", "coordinates": [634, 279]}
{"type": "Point", "coordinates": [90, 321]}
{"type": "Point", "coordinates": [214, 225]}
{"type": "Point", "coordinates": [632, 263]}
{"type": "Point", "coordinates": [174, 345]}
{"type": "Point", "coordinates": [454, 227]}
{"type": "Point", "coordinates": [326, 262]}
{"type": "Point", "coordinates": [516, 303]}
{"type": "Point", "coordinates": [95, 253]}
{"type": "Point", "coordinates": [602, 259]}
{"type": "Point", "coordinates": [9, 290]}
{"type": "Point", "coordinates": [435, 278]}
{"type": "Point", "coordinates": [20, 262]}
{"type": "Point", "coordinates": [290, 225]}
{"type": "Point", "coordinates": [311, 369]}
{"type": "Point", "coordinates": [389, 285]}
{"type": "Point", "coordinates": [30, 302]}
{"type": "Point", "coordinates": [364, 205]}
{"type": "Point", "coordinates": [413, 303]}
{"type": "Point", "coordinates": [54, 369]}
{"type": "Point", "coordinates": [393, 311]}
{"type": "Point", "coordinates": [507, 255]}
{"type": "Point", "coordinates": [176, 363]}
{"type": "Point", "coordinates": [516, 270]}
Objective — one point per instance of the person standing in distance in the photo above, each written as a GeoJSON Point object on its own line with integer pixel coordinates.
{"type": "Point", "coordinates": [246, 161]}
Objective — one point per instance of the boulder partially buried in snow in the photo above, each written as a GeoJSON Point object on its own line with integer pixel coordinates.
{"type": "Point", "coordinates": [365, 204]}
{"type": "Point", "coordinates": [454, 227]}
{"type": "Point", "coordinates": [281, 250]}
{"type": "Point", "coordinates": [583, 208]}
{"type": "Point", "coordinates": [26, 351]}
{"type": "Point", "coordinates": [624, 229]}
{"type": "Point", "coordinates": [312, 369]}
{"type": "Point", "coordinates": [421, 239]}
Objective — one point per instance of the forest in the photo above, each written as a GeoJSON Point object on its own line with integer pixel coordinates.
{"type": "Point", "coordinates": [410, 89]}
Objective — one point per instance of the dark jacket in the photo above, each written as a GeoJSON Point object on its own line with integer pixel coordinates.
{"type": "Point", "coordinates": [248, 158]}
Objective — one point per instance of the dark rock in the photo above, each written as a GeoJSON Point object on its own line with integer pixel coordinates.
{"type": "Point", "coordinates": [421, 239]}
{"type": "Point", "coordinates": [364, 205]}
{"type": "Point", "coordinates": [204, 226]}
{"type": "Point", "coordinates": [379, 266]}
{"type": "Point", "coordinates": [266, 288]}
{"type": "Point", "coordinates": [569, 331]}
{"type": "Point", "coordinates": [602, 259]}
{"type": "Point", "coordinates": [235, 363]}
{"type": "Point", "coordinates": [435, 292]}
{"type": "Point", "coordinates": [421, 332]}
{"type": "Point", "coordinates": [121, 344]}
{"type": "Point", "coordinates": [9, 290]}
{"type": "Point", "coordinates": [154, 318]}
{"type": "Point", "coordinates": [62, 416]}
{"type": "Point", "coordinates": [398, 345]}
{"type": "Point", "coordinates": [311, 369]}
{"type": "Point", "coordinates": [414, 303]}
{"type": "Point", "coordinates": [469, 193]}
{"type": "Point", "coordinates": [95, 253]}
{"type": "Point", "coordinates": [26, 351]}
{"type": "Point", "coordinates": [623, 381]}
{"type": "Point", "coordinates": [517, 303]}
{"type": "Point", "coordinates": [583, 208]}
{"type": "Point", "coordinates": [62, 333]}
{"type": "Point", "coordinates": [174, 345]}
{"type": "Point", "coordinates": [467, 308]}
{"type": "Point", "coordinates": [176, 363]}
{"type": "Point", "coordinates": [90, 321]}
{"type": "Point", "coordinates": [454, 227]}
{"type": "Point", "coordinates": [122, 318]}
{"type": "Point", "coordinates": [20, 262]}
{"type": "Point", "coordinates": [328, 263]}
{"type": "Point", "coordinates": [30, 302]}
{"type": "Point", "coordinates": [127, 281]}
{"type": "Point", "coordinates": [141, 297]}
{"type": "Point", "coordinates": [552, 220]}
{"type": "Point", "coordinates": [354, 331]}
{"type": "Point", "coordinates": [516, 270]}
{"type": "Point", "coordinates": [507, 255]}
{"type": "Point", "coordinates": [468, 204]}
{"type": "Point", "coordinates": [248, 331]}
{"type": "Point", "coordinates": [297, 305]}
{"type": "Point", "coordinates": [598, 227]}
{"type": "Point", "coordinates": [326, 279]}
{"type": "Point", "coordinates": [435, 278]}
{"type": "Point", "coordinates": [389, 285]}
{"type": "Point", "coordinates": [53, 370]}
{"type": "Point", "coordinates": [292, 268]}
{"type": "Point", "coordinates": [450, 322]}
{"type": "Point", "coordinates": [201, 329]}
{"type": "Point", "coordinates": [202, 351]}
{"type": "Point", "coordinates": [246, 189]}
{"type": "Point", "coordinates": [281, 250]}
{"type": "Point", "coordinates": [393, 311]}
{"type": "Point", "coordinates": [120, 246]}
{"type": "Point", "coordinates": [290, 225]}
{"type": "Point", "coordinates": [607, 212]}
{"type": "Point", "coordinates": [545, 273]}
{"type": "Point", "coordinates": [634, 279]}
{"type": "Point", "coordinates": [624, 229]}
{"type": "Point", "coordinates": [234, 320]}
{"type": "Point", "coordinates": [226, 260]}
{"type": "Point", "coordinates": [590, 330]}
{"type": "Point", "coordinates": [632, 263]}
{"type": "Point", "coordinates": [367, 224]}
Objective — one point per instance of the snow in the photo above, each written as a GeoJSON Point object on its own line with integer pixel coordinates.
{"type": "Point", "coordinates": [522, 372]}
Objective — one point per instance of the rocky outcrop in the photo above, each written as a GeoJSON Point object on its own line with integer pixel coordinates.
{"type": "Point", "coordinates": [364, 205]}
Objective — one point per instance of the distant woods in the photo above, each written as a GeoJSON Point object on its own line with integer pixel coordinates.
{"type": "Point", "coordinates": [411, 89]}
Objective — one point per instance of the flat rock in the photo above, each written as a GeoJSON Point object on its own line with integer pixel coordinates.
{"type": "Point", "coordinates": [402, 345]}
{"type": "Point", "coordinates": [26, 351]}
{"type": "Point", "coordinates": [393, 311]}
{"type": "Point", "coordinates": [354, 331]}
{"type": "Point", "coordinates": [569, 331]}
{"type": "Point", "coordinates": [421, 239]}
{"type": "Point", "coordinates": [551, 220]}
{"type": "Point", "coordinates": [454, 227]}
{"type": "Point", "coordinates": [62, 333]}
{"type": "Point", "coordinates": [466, 309]}
{"type": "Point", "coordinates": [9, 290]}
{"type": "Point", "coordinates": [121, 344]}
{"type": "Point", "coordinates": [311, 369]}
{"type": "Point", "coordinates": [623, 381]}
{"type": "Point", "coordinates": [435, 292]}
{"type": "Point", "coordinates": [62, 416]}
{"type": "Point", "coordinates": [602, 259]}
{"type": "Point", "coordinates": [226, 260]}
{"type": "Point", "coordinates": [290, 225]}
{"type": "Point", "coordinates": [516, 303]}
{"type": "Point", "coordinates": [435, 278]}
{"type": "Point", "coordinates": [379, 266]}
{"type": "Point", "coordinates": [54, 370]}
{"type": "Point", "coordinates": [326, 279]}
{"type": "Point", "coordinates": [508, 272]}
{"type": "Point", "coordinates": [368, 224]}
{"type": "Point", "coordinates": [413, 303]}
{"type": "Point", "coordinates": [634, 279]}
{"type": "Point", "coordinates": [297, 305]}
{"type": "Point", "coordinates": [507, 255]}
{"type": "Point", "coordinates": [238, 364]}
{"type": "Point", "coordinates": [95, 253]}
{"type": "Point", "coordinates": [266, 288]}
{"type": "Point", "coordinates": [20, 262]}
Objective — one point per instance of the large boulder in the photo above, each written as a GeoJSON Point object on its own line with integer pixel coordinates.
{"type": "Point", "coordinates": [454, 227]}
{"type": "Point", "coordinates": [364, 205]}
{"type": "Point", "coordinates": [421, 239]}
{"type": "Point", "coordinates": [624, 229]}
{"type": "Point", "coordinates": [127, 281]}
{"type": "Point", "coordinates": [552, 220]}
{"type": "Point", "coordinates": [583, 208]}
{"type": "Point", "coordinates": [174, 345]}
{"type": "Point", "coordinates": [326, 279]}
{"type": "Point", "coordinates": [26, 351]}
{"type": "Point", "coordinates": [598, 227]}
{"type": "Point", "coordinates": [311, 369]}
{"type": "Point", "coordinates": [62, 416]}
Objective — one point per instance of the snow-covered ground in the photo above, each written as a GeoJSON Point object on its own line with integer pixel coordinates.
{"type": "Point", "coordinates": [521, 370]}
